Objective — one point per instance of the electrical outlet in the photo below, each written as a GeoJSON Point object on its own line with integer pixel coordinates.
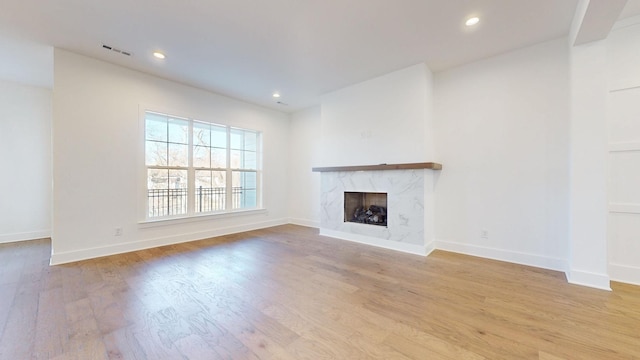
{"type": "Point", "coordinates": [484, 233]}
{"type": "Point", "coordinates": [118, 232]}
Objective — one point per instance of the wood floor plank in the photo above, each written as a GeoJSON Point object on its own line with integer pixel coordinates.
{"type": "Point", "coordinates": [158, 334]}
{"type": "Point", "coordinates": [107, 309]}
{"type": "Point", "coordinates": [287, 293]}
{"type": "Point", "coordinates": [194, 347]}
{"type": "Point", "coordinates": [256, 336]}
{"type": "Point", "coordinates": [375, 349]}
{"type": "Point", "coordinates": [84, 340]}
{"type": "Point", "coordinates": [412, 349]}
{"type": "Point", "coordinates": [121, 345]}
{"type": "Point", "coordinates": [7, 296]}
{"type": "Point", "coordinates": [12, 258]}
{"type": "Point", "coordinates": [51, 329]}
{"type": "Point", "coordinates": [18, 338]}
{"type": "Point", "coordinates": [546, 356]}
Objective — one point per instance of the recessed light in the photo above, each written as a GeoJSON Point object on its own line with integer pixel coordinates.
{"type": "Point", "coordinates": [472, 21]}
{"type": "Point", "coordinates": [158, 55]}
{"type": "Point", "coordinates": [276, 95]}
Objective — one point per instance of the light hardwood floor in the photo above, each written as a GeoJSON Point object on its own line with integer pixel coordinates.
{"type": "Point", "coordinates": [287, 293]}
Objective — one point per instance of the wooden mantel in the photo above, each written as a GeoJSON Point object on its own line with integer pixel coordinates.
{"type": "Point", "coordinates": [425, 165]}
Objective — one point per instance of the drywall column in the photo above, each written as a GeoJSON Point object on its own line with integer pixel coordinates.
{"type": "Point", "coordinates": [25, 160]}
{"type": "Point", "coordinates": [588, 174]}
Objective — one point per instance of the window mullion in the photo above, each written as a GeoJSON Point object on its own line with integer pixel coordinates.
{"type": "Point", "coordinates": [259, 199]}
{"type": "Point", "coordinates": [191, 174]}
{"type": "Point", "coordinates": [229, 176]}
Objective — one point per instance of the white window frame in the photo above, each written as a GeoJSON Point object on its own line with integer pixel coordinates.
{"type": "Point", "coordinates": [191, 213]}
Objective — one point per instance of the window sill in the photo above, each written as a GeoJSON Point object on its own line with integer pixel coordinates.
{"type": "Point", "coordinates": [196, 218]}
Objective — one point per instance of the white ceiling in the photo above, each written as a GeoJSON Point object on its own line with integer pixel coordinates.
{"type": "Point", "coordinates": [249, 48]}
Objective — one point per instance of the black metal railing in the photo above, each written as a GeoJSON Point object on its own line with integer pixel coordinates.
{"type": "Point", "coordinates": [168, 202]}
{"type": "Point", "coordinates": [210, 199]}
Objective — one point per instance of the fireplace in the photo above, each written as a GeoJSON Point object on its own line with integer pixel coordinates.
{"type": "Point", "coordinates": [409, 226]}
{"type": "Point", "coordinates": [365, 208]}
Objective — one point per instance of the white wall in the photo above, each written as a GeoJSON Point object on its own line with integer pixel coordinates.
{"type": "Point", "coordinates": [624, 152]}
{"type": "Point", "coordinates": [97, 158]}
{"type": "Point", "coordinates": [382, 120]}
{"type": "Point", "coordinates": [25, 160]}
{"type": "Point", "coordinates": [588, 189]}
{"type": "Point", "coordinates": [304, 153]}
{"type": "Point", "coordinates": [501, 131]}
{"type": "Point", "coordinates": [25, 62]}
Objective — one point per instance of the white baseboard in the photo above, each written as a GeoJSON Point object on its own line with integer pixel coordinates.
{"type": "Point", "coordinates": [429, 247]}
{"type": "Point", "coordinates": [624, 273]}
{"type": "Point", "coordinates": [585, 278]}
{"type": "Point", "coordinates": [503, 255]}
{"type": "Point", "coordinates": [305, 222]}
{"type": "Point", "coordinates": [58, 258]}
{"type": "Point", "coordinates": [382, 243]}
{"type": "Point", "coordinates": [32, 235]}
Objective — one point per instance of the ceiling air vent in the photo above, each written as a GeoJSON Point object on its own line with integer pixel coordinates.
{"type": "Point", "coordinates": [116, 50]}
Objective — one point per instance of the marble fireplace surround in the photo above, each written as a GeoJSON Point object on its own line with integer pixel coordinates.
{"type": "Point", "coordinates": [409, 189]}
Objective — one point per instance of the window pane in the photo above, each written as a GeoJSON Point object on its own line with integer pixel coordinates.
{"type": "Point", "coordinates": [244, 179]}
{"type": "Point", "coordinates": [218, 136]}
{"type": "Point", "coordinates": [249, 199]}
{"type": "Point", "coordinates": [249, 180]}
{"type": "Point", "coordinates": [201, 156]}
{"type": "Point", "coordinates": [218, 158]}
{"type": "Point", "coordinates": [208, 178]}
{"type": "Point", "coordinates": [155, 153]}
{"type": "Point", "coordinates": [203, 178]}
{"type": "Point", "coordinates": [178, 155]}
{"type": "Point", "coordinates": [250, 161]}
{"type": "Point", "coordinates": [178, 131]}
{"type": "Point", "coordinates": [243, 160]}
{"type": "Point", "coordinates": [177, 200]}
{"type": "Point", "coordinates": [157, 183]}
{"type": "Point", "coordinates": [237, 137]}
{"type": "Point", "coordinates": [155, 127]}
{"type": "Point", "coordinates": [236, 159]}
{"type": "Point", "coordinates": [210, 191]}
{"type": "Point", "coordinates": [244, 189]}
{"type": "Point", "coordinates": [157, 179]}
{"type": "Point", "coordinates": [201, 134]}
{"type": "Point", "coordinates": [219, 178]}
{"type": "Point", "coordinates": [250, 141]}
{"type": "Point", "coordinates": [178, 179]}
{"type": "Point", "coordinates": [167, 192]}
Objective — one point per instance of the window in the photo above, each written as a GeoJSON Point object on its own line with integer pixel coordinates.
{"type": "Point", "coordinates": [196, 167]}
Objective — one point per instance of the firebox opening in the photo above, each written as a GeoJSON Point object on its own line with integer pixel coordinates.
{"type": "Point", "coordinates": [365, 208]}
